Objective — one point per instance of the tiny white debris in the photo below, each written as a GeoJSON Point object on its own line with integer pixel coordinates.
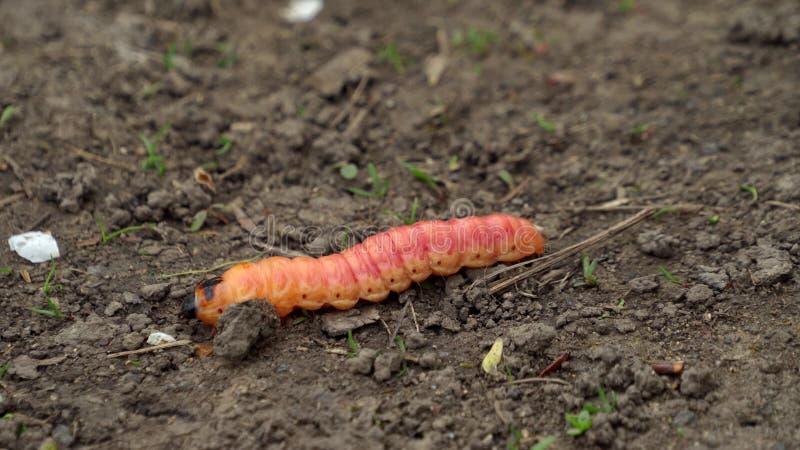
{"type": "Point", "coordinates": [34, 246]}
{"type": "Point", "coordinates": [159, 338]}
{"type": "Point", "coordinates": [302, 10]}
{"type": "Point", "coordinates": [493, 357]}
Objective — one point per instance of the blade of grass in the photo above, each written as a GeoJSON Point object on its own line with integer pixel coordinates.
{"type": "Point", "coordinates": [422, 175]}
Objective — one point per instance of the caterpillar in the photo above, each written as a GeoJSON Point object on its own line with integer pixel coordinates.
{"type": "Point", "coordinates": [385, 262]}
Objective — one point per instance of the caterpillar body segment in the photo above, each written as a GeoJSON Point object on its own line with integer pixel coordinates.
{"type": "Point", "coordinates": [385, 262]}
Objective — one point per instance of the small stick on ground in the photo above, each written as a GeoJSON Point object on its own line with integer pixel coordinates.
{"type": "Point", "coordinates": [102, 160]}
{"type": "Point", "coordinates": [11, 199]}
{"type": "Point", "coordinates": [414, 315]}
{"type": "Point", "coordinates": [541, 380]}
{"type": "Point", "coordinates": [555, 365]}
{"type": "Point", "coordinates": [150, 349]}
{"type": "Point", "coordinates": [782, 205]}
{"type": "Point", "coordinates": [541, 264]}
{"type": "Point", "coordinates": [388, 330]}
{"type": "Point", "coordinates": [667, 367]}
{"type": "Point", "coordinates": [609, 208]}
{"type": "Point", "coordinates": [514, 192]}
{"type": "Point", "coordinates": [18, 173]}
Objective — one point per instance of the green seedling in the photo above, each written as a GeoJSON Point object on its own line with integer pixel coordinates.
{"type": "Point", "coordinates": [6, 270]}
{"type": "Point", "coordinates": [545, 443]}
{"type": "Point", "coordinates": [751, 189]}
{"type": "Point", "coordinates": [516, 439]}
{"type": "Point", "coordinates": [154, 161]}
{"type": "Point", "coordinates": [453, 164]}
{"type": "Point", "coordinates": [52, 309]}
{"type": "Point", "coordinates": [626, 6]}
{"type": "Point", "coordinates": [589, 267]}
{"type": "Point", "coordinates": [4, 369]}
{"type": "Point", "coordinates": [640, 131]}
{"type": "Point", "coordinates": [389, 54]}
{"type": "Point", "coordinates": [543, 123]}
{"type": "Point", "coordinates": [713, 220]}
{"type": "Point", "coordinates": [169, 57]}
{"type": "Point", "coordinates": [150, 90]}
{"type": "Point", "coordinates": [476, 42]}
{"type": "Point", "coordinates": [380, 187]}
{"type": "Point", "coordinates": [198, 220]}
{"type": "Point", "coordinates": [348, 171]}
{"type": "Point", "coordinates": [401, 345]}
{"type": "Point", "coordinates": [509, 375]}
{"type": "Point", "coordinates": [422, 175]}
{"type": "Point", "coordinates": [411, 218]}
{"type": "Point", "coordinates": [7, 114]}
{"type": "Point", "coordinates": [227, 56]}
{"type": "Point", "coordinates": [225, 144]}
{"type": "Point", "coordinates": [507, 178]}
{"type": "Point", "coordinates": [580, 422]}
{"type": "Point", "coordinates": [220, 266]}
{"type": "Point", "coordinates": [606, 405]}
{"type": "Point", "coordinates": [669, 276]}
{"type": "Point", "coordinates": [352, 343]}
{"type": "Point", "coordinates": [108, 236]}
{"type": "Point", "coordinates": [663, 211]}
{"type": "Point", "coordinates": [298, 320]}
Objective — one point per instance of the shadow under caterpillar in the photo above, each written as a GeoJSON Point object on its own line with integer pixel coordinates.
{"type": "Point", "coordinates": [382, 263]}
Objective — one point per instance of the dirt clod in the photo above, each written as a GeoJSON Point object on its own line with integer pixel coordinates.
{"type": "Point", "coordinates": [699, 293]}
{"type": "Point", "coordinates": [338, 323]}
{"type": "Point", "coordinates": [657, 244]}
{"type": "Point", "coordinates": [387, 363]}
{"type": "Point", "coordinates": [643, 285]}
{"type": "Point", "coordinates": [531, 338]}
{"type": "Point", "coordinates": [363, 362]}
{"type": "Point", "coordinates": [698, 381]}
{"type": "Point", "coordinates": [242, 325]}
{"type": "Point", "coordinates": [24, 367]}
{"type": "Point", "coordinates": [154, 292]}
{"type": "Point", "coordinates": [347, 66]}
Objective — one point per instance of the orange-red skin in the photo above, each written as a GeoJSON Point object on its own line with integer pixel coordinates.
{"type": "Point", "coordinates": [386, 262]}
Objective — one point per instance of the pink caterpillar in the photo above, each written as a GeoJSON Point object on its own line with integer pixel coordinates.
{"type": "Point", "coordinates": [385, 262]}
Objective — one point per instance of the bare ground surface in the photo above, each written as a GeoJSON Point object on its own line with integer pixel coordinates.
{"type": "Point", "coordinates": [672, 102]}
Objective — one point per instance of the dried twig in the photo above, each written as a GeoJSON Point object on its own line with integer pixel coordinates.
{"type": "Point", "coordinates": [782, 204]}
{"type": "Point", "coordinates": [103, 160]}
{"type": "Point", "coordinates": [544, 263]}
{"type": "Point", "coordinates": [555, 365]}
{"type": "Point", "coordinates": [150, 349]}
{"type": "Point", "coordinates": [11, 199]}
{"type": "Point", "coordinates": [541, 380]}
{"type": "Point", "coordinates": [18, 173]}
{"type": "Point", "coordinates": [514, 192]}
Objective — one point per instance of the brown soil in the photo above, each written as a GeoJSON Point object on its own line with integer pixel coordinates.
{"type": "Point", "coordinates": [672, 102]}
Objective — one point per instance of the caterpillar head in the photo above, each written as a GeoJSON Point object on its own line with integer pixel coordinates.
{"type": "Point", "coordinates": [207, 303]}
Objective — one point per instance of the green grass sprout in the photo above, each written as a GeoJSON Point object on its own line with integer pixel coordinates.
{"type": "Point", "coordinates": [422, 175]}
{"type": "Point", "coordinates": [169, 57]}
{"type": "Point", "coordinates": [589, 279]}
{"type": "Point", "coordinates": [389, 54]}
{"type": "Point", "coordinates": [751, 189]}
{"type": "Point", "coordinates": [544, 443]}
{"type": "Point", "coordinates": [507, 178]}
{"type": "Point", "coordinates": [352, 343]}
{"type": "Point", "coordinates": [4, 369]}
{"type": "Point", "coordinates": [475, 41]}
{"type": "Point", "coordinates": [6, 270]}
{"type": "Point", "coordinates": [7, 114]}
{"type": "Point", "coordinates": [348, 171]}
{"type": "Point", "coordinates": [668, 275]}
{"type": "Point", "coordinates": [105, 236]}
{"type": "Point", "coordinates": [663, 211]}
{"type": "Point", "coordinates": [380, 187]}
{"type": "Point", "coordinates": [227, 56]}
{"type": "Point", "coordinates": [626, 6]}
{"type": "Point", "coordinates": [412, 218]}
{"type": "Point", "coordinates": [453, 164]}
{"type": "Point", "coordinates": [52, 309]}
{"type": "Point", "coordinates": [543, 123]}
{"type": "Point", "coordinates": [607, 405]}
{"type": "Point", "coordinates": [198, 220]}
{"type": "Point", "coordinates": [154, 161]}
{"type": "Point", "coordinates": [225, 144]}
{"type": "Point", "coordinates": [713, 219]}
{"type": "Point", "coordinates": [580, 422]}
{"type": "Point", "coordinates": [639, 131]}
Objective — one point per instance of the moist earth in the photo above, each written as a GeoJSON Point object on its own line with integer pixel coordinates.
{"type": "Point", "coordinates": [574, 114]}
